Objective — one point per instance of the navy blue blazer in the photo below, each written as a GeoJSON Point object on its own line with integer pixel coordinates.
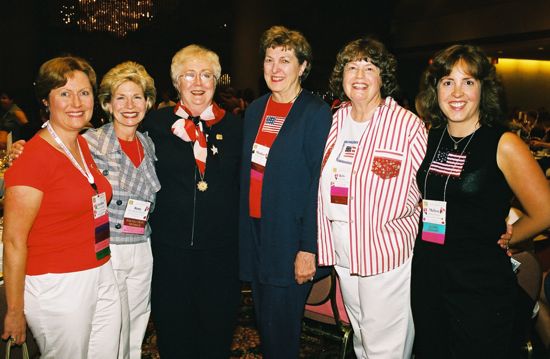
{"type": "Point", "coordinates": [289, 192]}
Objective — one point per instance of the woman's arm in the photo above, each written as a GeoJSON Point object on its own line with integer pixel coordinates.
{"type": "Point", "coordinates": [528, 183]}
{"type": "Point", "coordinates": [21, 117]}
{"type": "Point", "coordinates": [539, 143]}
{"type": "Point", "coordinates": [21, 206]}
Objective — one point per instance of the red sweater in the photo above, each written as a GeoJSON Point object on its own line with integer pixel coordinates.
{"type": "Point", "coordinates": [62, 237]}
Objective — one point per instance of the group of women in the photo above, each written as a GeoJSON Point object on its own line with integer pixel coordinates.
{"type": "Point", "coordinates": [272, 200]}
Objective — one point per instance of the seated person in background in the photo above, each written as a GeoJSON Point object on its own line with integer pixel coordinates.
{"type": "Point", "coordinates": [12, 118]}
{"type": "Point", "coordinates": [540, 142]}
{"type": "Point", "coordinates": [540, 135]}
{"type": "Point", "coordinates": [229, 100]}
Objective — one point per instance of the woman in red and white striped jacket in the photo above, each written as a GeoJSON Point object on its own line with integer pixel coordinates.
{"type": "Point", "coordinates": [368, 209]}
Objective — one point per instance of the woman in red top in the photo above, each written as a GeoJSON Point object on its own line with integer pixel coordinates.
{"type": "Point", "coordinates": [57, 272]}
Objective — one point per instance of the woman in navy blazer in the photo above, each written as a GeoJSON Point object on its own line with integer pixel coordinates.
{"type": "Point", "coordinates": [284, 137]}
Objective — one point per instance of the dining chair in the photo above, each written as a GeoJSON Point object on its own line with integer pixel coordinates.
{"type": "Point", "coordinates": [325, 304]}
{"type": "Point", "coordinates": [529, 277]}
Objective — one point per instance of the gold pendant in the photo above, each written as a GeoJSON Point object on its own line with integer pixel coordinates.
{"type": "Point", "coordinates": [202, 185]}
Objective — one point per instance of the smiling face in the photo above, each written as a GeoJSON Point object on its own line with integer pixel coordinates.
{"type": "Point", "coordinates": [458, 95]}
{"type": "Point", "coordinates": [282, 73]}
{"type": "Point", "coordinates": [196, 84]}
{"type": "Point", "coordinates": [128, 104]}
{"type": "Point", "coordinates": [362, 82]}
{"type": "Point", "coordinates": [71, 105]}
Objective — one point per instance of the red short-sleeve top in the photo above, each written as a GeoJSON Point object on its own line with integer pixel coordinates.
{"type": "Point", "coordinates": [62, 237]}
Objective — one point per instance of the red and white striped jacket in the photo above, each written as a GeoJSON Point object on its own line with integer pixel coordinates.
{"type": "Point", "coordinates": [383, 195]}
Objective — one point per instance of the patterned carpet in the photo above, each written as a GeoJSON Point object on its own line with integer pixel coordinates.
{"type": "Point", "coordinates": [319, 341]}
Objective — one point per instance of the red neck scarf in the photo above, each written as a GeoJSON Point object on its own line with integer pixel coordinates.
{"type": "Point", "coordinates": [190, 129]}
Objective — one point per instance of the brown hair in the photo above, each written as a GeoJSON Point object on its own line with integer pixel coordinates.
{"type": "Point", "coordinates": [491, 105]}
{"type": "Point", "coordinates": [280, 36]}
{"type": "Point", "coordinates": [54, 73]}
{"type": "Point", "coordinates": [367, 49]}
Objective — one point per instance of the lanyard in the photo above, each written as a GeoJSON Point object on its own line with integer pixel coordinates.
{"type": "Point", "coordinates": [86, 171]}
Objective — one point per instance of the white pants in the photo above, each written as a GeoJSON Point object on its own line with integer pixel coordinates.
{"type": "Point", "coordinates": [378, 306]}
{"type": "Point", "coordinates": [133, 267]}
{"type": "Point", "coordinates": [74, 315]}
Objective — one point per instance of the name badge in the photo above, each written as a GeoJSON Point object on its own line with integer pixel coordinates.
{"type": "Point", "coordinates": [434, 221]}
{"type": "Point", "coordinates": [339, 188]}
{"type": "Point", "coordinates": [135, 216]}
{"type": "Point", "coordinates": [99, 203]}
{"type": "Point", "coordinates": [259, 154]}
{"type": "Point", "coordinates": [101, 224]}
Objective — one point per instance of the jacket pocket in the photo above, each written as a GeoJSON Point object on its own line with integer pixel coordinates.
{"type": "Point", "coordinates": [386, 164]}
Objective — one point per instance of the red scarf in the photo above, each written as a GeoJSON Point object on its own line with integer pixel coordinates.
{"type": "Point", "coordinates": [190, 129]}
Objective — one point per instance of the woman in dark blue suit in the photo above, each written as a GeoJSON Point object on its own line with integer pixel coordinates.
{"type": "Point", "coordinates": [284, 137]}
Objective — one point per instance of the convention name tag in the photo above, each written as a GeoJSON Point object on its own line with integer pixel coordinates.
{"type": "Point", "coordinates": [338, 195]}
{"type": "Point", "coordinates": [339, 188]}
{"type": "Point", "coordinates": [259, 154]}
{"type": "Point", "coordinates": [434, 221]}
{"type": "Point", "coordinates": [99, 204]}
{"type": "Point", "coordinates": [135, 216]}
{"type": "Point", "coordinates": [101, 226]}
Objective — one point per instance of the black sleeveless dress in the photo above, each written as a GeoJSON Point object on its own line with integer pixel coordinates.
{"type": "Point", "coordinates": [463, 291]}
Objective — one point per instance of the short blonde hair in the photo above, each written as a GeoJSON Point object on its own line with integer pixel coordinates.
{"type": "Point", "coordinates": [126, 71]}
{"type": "Point", "coordinates": [190, 52]}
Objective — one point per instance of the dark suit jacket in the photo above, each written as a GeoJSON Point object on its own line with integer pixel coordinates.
{"type": "Point", "coordinates": [185, 218]}
{"type": "Point", "coordinates": [289, 192]}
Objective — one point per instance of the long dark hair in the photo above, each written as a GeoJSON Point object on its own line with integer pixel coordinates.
{"type": "Point", "coordinates": [492, 103]}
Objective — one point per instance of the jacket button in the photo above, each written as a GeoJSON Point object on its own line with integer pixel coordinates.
{"type": "Point", "coordinates": [117, 226]}
{"type": "Point", "coordinates": [105, 172]}
{"type": "Point", "coordinates": [119, 202]}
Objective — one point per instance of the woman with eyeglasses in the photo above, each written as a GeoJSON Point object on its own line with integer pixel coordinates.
{"type": "Point", "coordinates": [195, 288]}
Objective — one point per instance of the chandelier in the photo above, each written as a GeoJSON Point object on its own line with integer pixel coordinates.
{"type": "Point", "coordinates": [118, 17]}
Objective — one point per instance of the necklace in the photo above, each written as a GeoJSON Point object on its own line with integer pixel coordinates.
{"type": "Point", "coordinates": [294, 99]}
{"type": "Point", "coordinates": [298, 94]}
{"type": "Point", "coordinates": [453, 166]}
{"type": "Point", "coordinates": [202, 185]}
{"type": "Point", "coordinates": [455, 147]}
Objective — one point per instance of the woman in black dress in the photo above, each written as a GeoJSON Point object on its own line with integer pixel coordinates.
{"type": "Point", "coordinates": [463, 285]}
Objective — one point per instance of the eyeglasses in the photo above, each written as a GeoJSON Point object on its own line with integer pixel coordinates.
{"type": "Point", "coordinates": [190, 76]}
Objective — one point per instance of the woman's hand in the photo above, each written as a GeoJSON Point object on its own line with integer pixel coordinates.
{"type": "Point", "coordinates": [304, 267]}
{"type": "Point", "coordinates": [504, 241]}
{"type": "Point", "coordinates": [16, 150]}
{"type": "Point", "coordinates": [21, 206]}
{"type": "Point", "coordinates": [15, 327]}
